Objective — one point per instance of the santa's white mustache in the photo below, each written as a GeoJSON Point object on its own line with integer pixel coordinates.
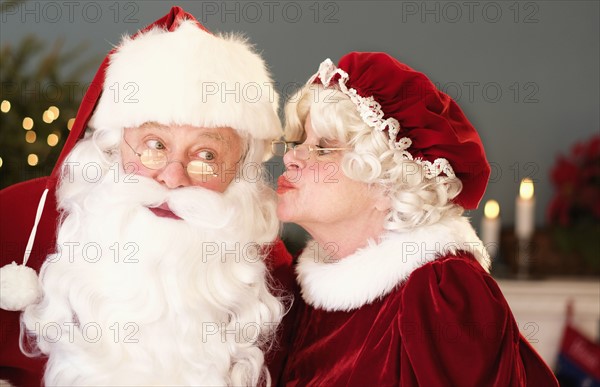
{"type": "Point", "coordinates": [196, 205]}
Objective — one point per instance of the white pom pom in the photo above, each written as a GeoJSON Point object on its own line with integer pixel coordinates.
{"type": "Point", "coordinates": [19, 287]}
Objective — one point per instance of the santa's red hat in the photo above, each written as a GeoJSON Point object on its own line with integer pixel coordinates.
{"type": "Point", "coordinates": [423, 123]}
{"type": "Point", "coordinates": [172, 72]}
{"type": "Point", "coordinates": [188, 76]}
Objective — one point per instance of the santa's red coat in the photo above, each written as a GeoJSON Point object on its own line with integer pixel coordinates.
{"type": "Point", "coordinates": [18, 205]}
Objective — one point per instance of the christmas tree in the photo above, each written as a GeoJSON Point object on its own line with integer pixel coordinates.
{"type": "Point", "coordinates": [40, 91]}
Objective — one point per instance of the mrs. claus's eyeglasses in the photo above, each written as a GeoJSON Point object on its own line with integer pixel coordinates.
{"type": "Point", "coordinates": [301, 151]}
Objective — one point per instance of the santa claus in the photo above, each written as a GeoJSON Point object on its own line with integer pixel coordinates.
{"type": "Point", "coordinates": [153, 237]}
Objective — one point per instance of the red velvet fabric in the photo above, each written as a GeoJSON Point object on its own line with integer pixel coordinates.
{"type": "Point", "coordinates": [18, 204]}
{"type": "Point", "coordinates": [447, 325]}
{"type": "Point", "coordinates": [285, 287]}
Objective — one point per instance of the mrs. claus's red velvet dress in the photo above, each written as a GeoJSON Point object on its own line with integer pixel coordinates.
{"type": "Point", "coordinates": [417, 309]}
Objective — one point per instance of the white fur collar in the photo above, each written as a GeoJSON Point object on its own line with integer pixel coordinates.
{"type": "Point", "coordinates": [375, 270]}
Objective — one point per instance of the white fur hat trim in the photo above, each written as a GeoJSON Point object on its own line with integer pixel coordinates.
{"type": "Point", "coordinates": [188, 77]}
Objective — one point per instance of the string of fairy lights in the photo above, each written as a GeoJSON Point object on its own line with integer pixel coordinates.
{"type": "Point", "coordinates": [49, 116]}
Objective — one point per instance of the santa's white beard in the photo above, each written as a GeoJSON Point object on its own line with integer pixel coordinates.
{"type": "Point", "coordinates": [134, 299]}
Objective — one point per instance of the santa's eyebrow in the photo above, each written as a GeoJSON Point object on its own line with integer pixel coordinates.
{"type": "Point", "coordinates": [213, 136]}
{"type": "Point", "coordinates": [154, 125]}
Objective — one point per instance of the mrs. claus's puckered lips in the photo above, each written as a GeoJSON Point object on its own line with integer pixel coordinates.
{"type": "Point", "coordinates": [284, 185]}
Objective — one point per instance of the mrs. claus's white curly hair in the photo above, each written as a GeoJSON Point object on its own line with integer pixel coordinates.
{"type": "Point", "coordinates": [415, 200]}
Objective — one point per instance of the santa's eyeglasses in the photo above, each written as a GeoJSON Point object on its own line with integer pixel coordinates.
{"type": "Point", "coordinates": [157, 159]}
{"type": "Point", "coordinates": [301, 151]}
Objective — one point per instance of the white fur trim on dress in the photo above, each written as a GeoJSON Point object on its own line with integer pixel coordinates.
{"type": "Point", "coordinates": [375, 270]}
{"type": "Point", "coordinates": [191, 77]}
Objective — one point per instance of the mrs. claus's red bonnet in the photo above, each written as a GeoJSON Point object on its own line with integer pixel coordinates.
{"type": "Point", "coordinates": [421, 121]}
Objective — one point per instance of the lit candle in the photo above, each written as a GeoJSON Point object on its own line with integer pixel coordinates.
{"type": "Point", "coordinates": [490, 227]}
{"type": "Point", "coordinates": [525, 210]}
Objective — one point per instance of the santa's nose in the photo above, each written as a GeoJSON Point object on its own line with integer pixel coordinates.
{"type": "Point", "coordinates": [174, 175]}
